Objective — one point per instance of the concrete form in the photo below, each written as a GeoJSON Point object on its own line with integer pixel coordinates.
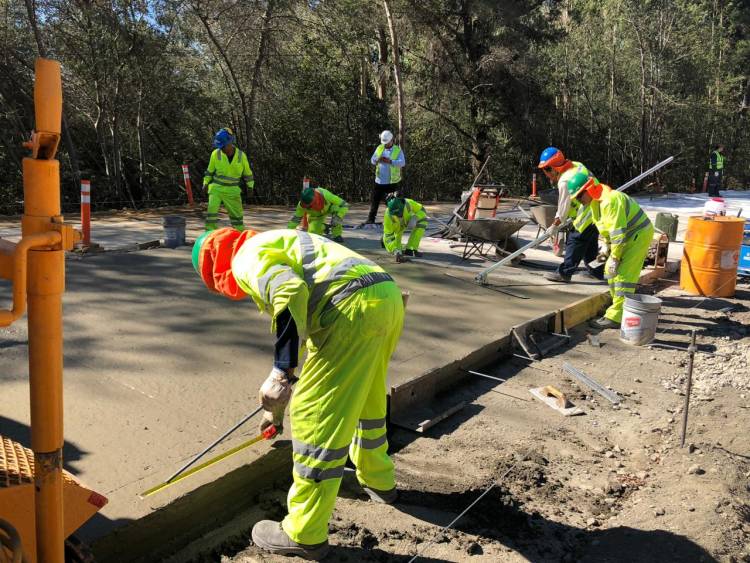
{"type": "Point", "coordinates": [156, 367]}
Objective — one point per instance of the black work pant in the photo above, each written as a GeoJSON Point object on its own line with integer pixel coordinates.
{"type": "Point", "coordinates": [581, 246]}
{"type": "Point", "coordinates": [379, 192]}
{"type": "Point", "coordinates": [714, 182]}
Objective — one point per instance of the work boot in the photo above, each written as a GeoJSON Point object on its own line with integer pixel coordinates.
{"type": "Point", "coordinates": [383, 497]}
{"type": "Point", "coordinates": [412, 252]}
{"type": "Point", "coordinates": [270, 536]}
{"type": "Point", "coordinates": [556, 277]}
{"type": "Point", "coordinates": [603, 323]}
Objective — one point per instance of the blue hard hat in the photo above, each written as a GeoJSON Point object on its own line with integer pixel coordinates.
{"type": "Point", "coordinates": [551, 156]}
{"type": "Point", "coordinates": [223, 138]}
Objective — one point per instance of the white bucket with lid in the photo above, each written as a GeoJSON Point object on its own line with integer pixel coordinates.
{"type": "Point", "coordinates": [640, 315]}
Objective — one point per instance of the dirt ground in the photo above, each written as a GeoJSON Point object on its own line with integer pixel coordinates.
{"type": "Point", "coordinates": [610, 485]}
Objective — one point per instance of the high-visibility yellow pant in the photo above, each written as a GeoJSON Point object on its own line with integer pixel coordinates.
{"type": "Point", "coordinates": [231, 197]}
{"type": "Point", "coordinates": [339, 407]}
{"type": "Point", "coordinates": [629, 271]}
{"type": "Point", "coordinates": [317, 225]}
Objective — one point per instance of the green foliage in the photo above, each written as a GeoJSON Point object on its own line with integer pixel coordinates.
{"type": "Point", "coordinates": [307, 87]}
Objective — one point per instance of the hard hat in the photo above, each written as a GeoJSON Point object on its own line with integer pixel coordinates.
{"type": "Point", "coordinates": [551, 156]}
{"type": "Point", "coordinates": [396, 206]}
{"type": "Point", "coordinates": [580, 181]}
{"type": "Point", "coordinates": [386, 137]}
{"type": "Point", "coordinates": [223, 138]}
{"type": "Point", "coordinates": [307, 196]}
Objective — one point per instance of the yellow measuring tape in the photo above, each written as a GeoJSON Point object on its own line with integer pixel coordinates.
{"type": "Point", "coordinates": [214, 460]}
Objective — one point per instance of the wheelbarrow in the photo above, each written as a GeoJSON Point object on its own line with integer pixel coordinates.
{"type": "Point", "coordinates": [494, 233]}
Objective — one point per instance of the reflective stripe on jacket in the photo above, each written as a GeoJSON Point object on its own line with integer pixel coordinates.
{"type": "Point", "coordinates": [716, 161]}
{"type": "Point", "coordinates": [305, 273]}
{"type": "Point", "coordinates": [227, 173]}
{"type": "Point", "coordinates": [334, 205]}
{"type": "Point", "coordinates": [618, 218]}
{"type": "Point", "coordinates": [393, 226]}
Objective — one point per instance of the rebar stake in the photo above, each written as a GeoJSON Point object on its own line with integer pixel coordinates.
{"type": "Point", "coordinates": [691, 357]}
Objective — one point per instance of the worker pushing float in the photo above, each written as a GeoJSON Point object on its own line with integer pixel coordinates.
{"type": "Point", "coordinates": [227, 167]}
{"type": "Point", "coordinates": [318, 203]}
{"type": "Point", "coordinates": [350, 312]}
{"type": "Point", "coordinates": [628, 233]}
{"type": "Point", "coordinates": [401, 214]}
{"type": "Point", "coordinates": [582, 242]}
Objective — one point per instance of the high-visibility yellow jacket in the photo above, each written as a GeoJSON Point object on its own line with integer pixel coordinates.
{"type": "Point", "coordinates": [334, 205]}
{"type": "Point", "coordinates": [306, 273]}
{"type": "Point", "coordinates": [566, 207]}
{"type": "Point", "coordinates": [618, 218]}
{"type": "Point", "coordinates": [393, 226]}
{"type": "Point", "coordinates": [224, 172]}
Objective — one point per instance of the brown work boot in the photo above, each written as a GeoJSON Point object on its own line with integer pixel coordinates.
{"type": "Point", "coordinates": [557, 277]}
{"type": "Point", "coordinates": [270, 536]}
{"type": "Point", "coordinates": [383, 497]}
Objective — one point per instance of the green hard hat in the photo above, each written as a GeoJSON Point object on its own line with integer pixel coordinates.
{"type": "Point", "coordinates": [197, 249]}
{"type": "Point", "coordinates": [577, 182]}
{"type": "Point", "coordinates": [396, 206]}
{"type": "Point", "coordinates": [308, 194]}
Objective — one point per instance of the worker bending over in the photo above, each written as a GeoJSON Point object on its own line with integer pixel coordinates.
{"type": "Point", "coordinates": [403, 213]}
{"type": "Point", "coordinates": [350, 312]}
{"type": "Point", "coordinates": [226, 168]}
{"type": "Point", "coordinates": [582, 242]}
{"type": "Point", "coordinates": [628, 233]}
{"type": "Point", "coordinates": [318, 203]}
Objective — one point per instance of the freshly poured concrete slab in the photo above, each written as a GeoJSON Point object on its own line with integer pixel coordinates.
{"type": "Point", "coordinates": [156, 367]}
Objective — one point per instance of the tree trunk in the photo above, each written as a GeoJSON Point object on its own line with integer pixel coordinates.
{"type": "Point", "coordinates": [259, 61]}
{"type": "Point", "coordinates": [142, 187]}
{"type": "Point", "coordinates": [396, 75]}
{"type": "Point", "coordinates": [382, 68]}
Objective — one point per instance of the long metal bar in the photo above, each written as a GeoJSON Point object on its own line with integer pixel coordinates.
{"type": "Point", "coordinates": [213, 444]}
{"type": "Point", "coordinates": [611, 396]}
{"type": "Point", "coordinates": [688, 387]}
{"type": "Point", "coordinates": [481, 277]}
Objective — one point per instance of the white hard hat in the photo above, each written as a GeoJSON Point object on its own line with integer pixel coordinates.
{"type": "Point", "coordinates": [386, 137]}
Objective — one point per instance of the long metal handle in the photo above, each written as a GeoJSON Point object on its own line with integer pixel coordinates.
{"type": "Point", "coordinates": [204, 452]}
{"type": "Point", "coordinates": [481, 277]}
{"type": "Point", "coordinates": [688, 387]}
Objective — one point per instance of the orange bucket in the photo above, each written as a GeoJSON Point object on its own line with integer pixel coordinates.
{"type": "Point", "coordinates": [710, 256]}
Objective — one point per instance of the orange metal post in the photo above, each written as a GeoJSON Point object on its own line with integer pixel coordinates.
{"type": "Point", "coordinates": [86, 212]}
{"type": "Point", "coordinates": [46, 282]}
{"type": "Point", "coordinates": [705, 182]}
{"type": "Point", "coordinates": [188, 185]}
{"type": "Point", "coordinates": [533, 185]}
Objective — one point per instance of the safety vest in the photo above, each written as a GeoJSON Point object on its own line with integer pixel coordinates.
{"type": "Point", "coordinates": [227, 173]}
{"type": "Point", "coordinates": [305, 273]}
{"type": "Point", "coordinates": [333, 205]}
{"type": "Point", "coordinates": [393, 226]}
{"type": "Point", "coordinates": [618, 218]}
{"type": "Point", "coordinates": [395, 170]}
{"type": "Point", "coordinates": [719, 162]}
{"type": "Point", "coordinates": [562, 184]}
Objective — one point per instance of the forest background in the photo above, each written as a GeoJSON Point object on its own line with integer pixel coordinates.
{"type": "Point", "coordinates": [307, 86]}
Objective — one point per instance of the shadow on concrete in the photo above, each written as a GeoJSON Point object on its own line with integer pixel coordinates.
{"type": "Point", "coordinates": [497, 516]}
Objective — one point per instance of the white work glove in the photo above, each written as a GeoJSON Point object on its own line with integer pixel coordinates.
{"type": "Point", "coordinates": [274, 395]}
{"type": "Point", "coordinates": [610, 268]}
{"type": "Point", "coordinates": [336, 220]}
{"type": "Point", "coordinates": [604, 251]}
{"type": "Point", "coordinates": [553, 229]}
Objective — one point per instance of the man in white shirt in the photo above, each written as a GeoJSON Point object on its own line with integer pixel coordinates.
{"type": "Point", "coordinates": [388, 160]}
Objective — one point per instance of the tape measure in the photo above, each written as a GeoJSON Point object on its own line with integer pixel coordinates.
{"type": "Point", "coordinates": [267, 434]}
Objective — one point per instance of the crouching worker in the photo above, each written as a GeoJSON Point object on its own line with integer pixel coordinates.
{"type": "Point", "coordinates": [318, 203]}
{"type": "Point", "coordinates": [627, 231]}
{"type": "Point", "coordinates": [350, 312]}
{"type": "Point", "coordinates": [403, 213]}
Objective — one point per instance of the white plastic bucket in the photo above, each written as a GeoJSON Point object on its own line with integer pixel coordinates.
{"type": "Point", "coordinates": [640, 315]}
{"type": "Point", "coordinates": [714, 206]}
{"type": "Point", "coordinates": [174, 231]}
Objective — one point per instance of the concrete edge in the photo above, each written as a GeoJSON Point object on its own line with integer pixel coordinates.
{"type": "Point", "coordinates": [200, 512]}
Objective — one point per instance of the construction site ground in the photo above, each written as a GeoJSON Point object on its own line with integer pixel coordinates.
{"type": "Point", "coordinates": [156, 368]}
{"type": "Point", "coordinates": [610, 485]}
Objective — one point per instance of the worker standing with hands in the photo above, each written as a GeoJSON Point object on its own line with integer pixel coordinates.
{"type": "Point", "coordinates": [716, 164]}
{"type": "Point", "coordinates": [388, 160]}
{"type": "Point", "coordinates": [227, 167]}
{"type": "Point", "coordinates": [628, 232]}
{"type": "Point", "coordinates": [582, 241]}
{"type": "Point", "coordinates": [318, 203]}
{"type": "Point", "coordinates": [350, 311]}
{"type": "Point", "coordinates": [401, 214]}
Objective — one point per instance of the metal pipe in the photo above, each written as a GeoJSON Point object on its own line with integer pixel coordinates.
{"type": "Point", "coordinates": [481, 277]}
{"type": "Point", "coordinates": [688, 387]}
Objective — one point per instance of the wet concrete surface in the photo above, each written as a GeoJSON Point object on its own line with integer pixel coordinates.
{"type": "Point", "coordinates": [156, 367]}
